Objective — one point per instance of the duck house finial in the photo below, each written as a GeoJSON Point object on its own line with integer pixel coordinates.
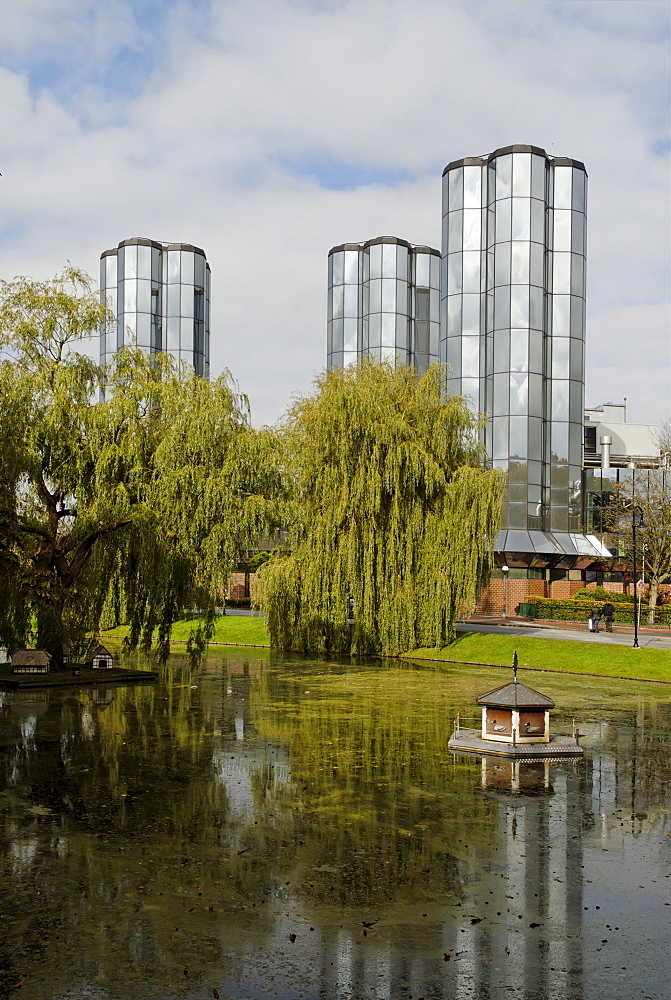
{"type": "Point", "coordinates": [515, 666]}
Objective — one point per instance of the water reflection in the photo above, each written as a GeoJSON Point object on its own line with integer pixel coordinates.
{"type": "Point", "coordinates": [292, 828]}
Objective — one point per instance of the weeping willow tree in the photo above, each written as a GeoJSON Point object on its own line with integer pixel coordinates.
{"type": "Point", "coordinates": [140, 502]}
{"type": "Point", "coordinates": [393, 517]}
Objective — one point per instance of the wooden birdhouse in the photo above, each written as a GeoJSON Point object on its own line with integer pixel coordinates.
{"type": "Point", "coordinates": [31, 661]}
{"type": "Point", "coordinates": [101, 659]}
{"type": "Point", "coordinates": [515, 713]}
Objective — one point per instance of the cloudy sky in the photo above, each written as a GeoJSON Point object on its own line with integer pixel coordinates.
{"type": "Point", "coordinates": [267, 131]}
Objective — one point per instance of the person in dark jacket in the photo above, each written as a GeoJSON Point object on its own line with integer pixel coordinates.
{"type": "Point", "coordinates": [594, 616]}
{"type": "Point", "coordinates": [608, 613]}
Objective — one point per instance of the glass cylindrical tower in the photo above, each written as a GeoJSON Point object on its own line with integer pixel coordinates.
{"type": "Point", "coordinates": [513, 311]}
{"type": "Point", "coordinates": [160, 295]}
{"type": "Point", "coordinates": [383, 303]}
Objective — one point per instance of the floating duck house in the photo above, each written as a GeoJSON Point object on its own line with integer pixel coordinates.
{"type": "Point", "coordinates": [515, 723]}
{"type": "Point", "coordinates": [515, 713]}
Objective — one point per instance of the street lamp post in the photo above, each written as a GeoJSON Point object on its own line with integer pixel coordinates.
{"type": "Point", "coordinates": [505, 570]}
{"type": "Point", "coordinates": [636, 522]}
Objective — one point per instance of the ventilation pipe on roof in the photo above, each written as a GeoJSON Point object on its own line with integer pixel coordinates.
{"type": "Point", "coordinates": [606, 442]}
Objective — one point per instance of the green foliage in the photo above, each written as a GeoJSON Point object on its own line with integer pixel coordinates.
{"type": "Point", "coordinates": [257, 561]}
{"type": "Point", "coordinates": [600, 594]}
{"type": "Point", "coordinates": [649, 494]}
{"type": "Point", "coordinates": [391, 508]}
{"type": "Point", "coordinates": [131, 508]}
{"type": "Point", "coordinates": [572, 610]}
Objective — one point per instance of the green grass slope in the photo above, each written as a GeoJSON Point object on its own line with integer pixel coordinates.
{"type": "Point", "coordinates": [554, 654]}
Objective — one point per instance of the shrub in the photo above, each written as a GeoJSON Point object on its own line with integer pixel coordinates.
{"type": "Point", "coordinates": [600, 594]}
{"type": "Point", "coordinates": [572, 610]}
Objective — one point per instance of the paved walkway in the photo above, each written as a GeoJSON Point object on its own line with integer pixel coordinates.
{"type": "Point", "coordinates": [646, 640]}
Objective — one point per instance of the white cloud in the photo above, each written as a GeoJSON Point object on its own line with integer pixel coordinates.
{"type": "Point", "coordinates": [202, 122]}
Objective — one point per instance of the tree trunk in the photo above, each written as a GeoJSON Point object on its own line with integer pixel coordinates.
{"type": "Point", "coordinates": [50, 633]}
{"type": "Point", "coordinates": [652, 601]}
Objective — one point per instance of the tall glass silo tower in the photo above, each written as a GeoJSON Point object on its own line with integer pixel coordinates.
{"type": "Point", "coordinates": [513, 329]}
{"type": "Point", "coordinates": [383, 303]}
{"type": "Point", "coordinates": [160, 295]}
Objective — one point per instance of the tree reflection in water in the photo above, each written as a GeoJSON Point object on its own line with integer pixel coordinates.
{"type": "Point", "coordinates": [166, 840]}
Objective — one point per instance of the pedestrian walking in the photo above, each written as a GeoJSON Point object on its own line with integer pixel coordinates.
{"type": "Point", "coordinates": [594, 616]}
{"type": "Point", "coordinates": [608, 613]}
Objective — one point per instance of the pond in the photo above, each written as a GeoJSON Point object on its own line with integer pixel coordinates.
{"type": "Point", "coordinates": [265, 827]}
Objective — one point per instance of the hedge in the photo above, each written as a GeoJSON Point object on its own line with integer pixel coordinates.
{"type": "Point", "coordinates": [572, 610]}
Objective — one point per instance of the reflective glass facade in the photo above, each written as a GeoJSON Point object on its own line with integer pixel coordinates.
{"type": "Point", "coordinates": [160, 294]}
{"type": "Point", "coordinates": [383, 303]}
{"type": "Point", "coordinates": [513, 323]}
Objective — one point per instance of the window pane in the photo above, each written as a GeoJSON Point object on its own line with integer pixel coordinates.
{"type": "Point", "coordinates": [503, 178]}
{"type": "Point", "coordinates": [537, 221]}
{"type": "Point", "coordinates": [520, 263]}
{"type": "Point", "coordinates": [562, 187]}
{"type": "Point", "coordinates": [173, 265]}
{"type": "Point", "coordinates": [422, 264]}
{"type": "Point", "coordinates": [388, 295]}
{"type": "Point", "coordinates": [143, 293]}
{"type": "Point", "coordinates": [562, 230]}
{"type": "Point", "coordinates": [561, 273]}
{"type": "Point", "coordinates": [456, 188]}
{"type": "Point", "coordinates": [454, 273]}
{"type": "Point", "coordinates": [389, 260]}
{"type": "Point", "coordinates": [470, 357]}
{"type": "Point", "coordinates": [538, 177]}
{"type": "Point", "coordinates": [351, 300]}
{"type": "Point", "coordinates": [453, 315]}
{"type": "Point", "coordinates": [518, 437]}
{"type": "Point", "coordinates": [521, 225]}
{"type": "Point", "coordinates": [577, 274]}
{"type": "Point", "coordinates": [560, 401]}
{"type": "Point", "coordinates": [375, 260]}
{"type": "Point", "coordinates": [472, 223]}
{"type": "Point", "coordinates": [471, 314]}
{"type": "Point", "coordinates": [519, 393]}
{"type": "Point", "coordinates": [472, 187]}
{"type": "Point", "coordinates": [579, 184]}
{"type": "Point", "coordinates": [130, 296]}
{"type": "Point", "coordinates": [502, 264]}
{"type": "Point", "coordinates": [502, 307]}
{"type": "Point", "coordinates": [454, 237]}
{"type": "Point", "coordinates": [388, 330]}
{"type": "Point", "coordinates": [519, 305]}
{"type": "Point", "coordinates": [337, 301]}
{"type": "Point", "coordinates": [130, 262]}
{"type": "Point", "coordinates": [503, 220]}
{"type": "Point", "coordinates": [560, 357]}
{"type": "Point", "coordinates": [560, 315]}
{"type": "Point", "coordinates": [519, 350]}
{"type": "Point", "coordinates": [351, 267]}
{"type": "Point", "coordinates": [472, 271]}
{"type": "Point", "coordinates": [522, 174]}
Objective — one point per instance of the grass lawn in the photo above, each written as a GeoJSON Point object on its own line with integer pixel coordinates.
{"type": "Point", "coordinates": [232, 629]}
{"type": "Point", "coordinates": [554, 654]}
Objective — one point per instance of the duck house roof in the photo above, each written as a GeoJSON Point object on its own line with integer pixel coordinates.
{"type": "Point", "coordinates": [30, 658]}
{"type": "Point", "coordinates": [515, 695]}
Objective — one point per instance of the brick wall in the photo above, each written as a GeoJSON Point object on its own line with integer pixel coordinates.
{"type": "Point", "coordinates": [238, 586]}
{"type": "Point", "coordinates": [519, 591]}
